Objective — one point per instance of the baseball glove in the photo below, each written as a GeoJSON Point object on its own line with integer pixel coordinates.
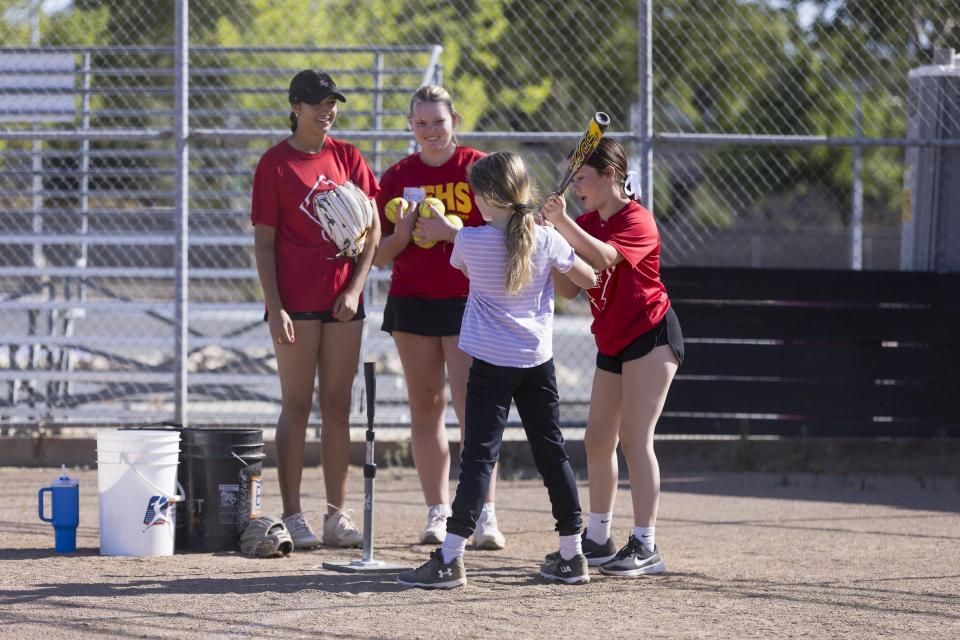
{"type": "Point", "coordinates": [346, 215]}
{"type": "Point", "coordinates": [266, 537]}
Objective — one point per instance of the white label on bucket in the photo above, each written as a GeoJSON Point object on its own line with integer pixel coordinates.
{"type": "Point", "coordinates": [256, 490]}
{"type": "Point", "coordinates": [229, 503]}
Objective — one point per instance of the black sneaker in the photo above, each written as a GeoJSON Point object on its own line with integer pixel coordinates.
{"type": "Point", "coordinates": [435, 574]}
{"type": "Point", "coordinates": [596, 554]}
{"type": "Point", "coordinates": [572, 571]}
{"type": "Point", "coordinates": [634, 560]}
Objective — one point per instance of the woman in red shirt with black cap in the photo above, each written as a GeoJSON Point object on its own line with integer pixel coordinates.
{"type": "Point", "coordinates": [313, 298]}
{"type": "Point", "coordinates": [639, 345]}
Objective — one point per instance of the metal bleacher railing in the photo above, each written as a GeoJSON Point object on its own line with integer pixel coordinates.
{"type": "Point", "coordinates": [88, 222]}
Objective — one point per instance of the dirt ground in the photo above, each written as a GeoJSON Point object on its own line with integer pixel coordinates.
{"type": "Point", "coordinates": [747, 554]}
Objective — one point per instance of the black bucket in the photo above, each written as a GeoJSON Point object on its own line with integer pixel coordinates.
{"type": "Point", "coordinates": [221, 471]}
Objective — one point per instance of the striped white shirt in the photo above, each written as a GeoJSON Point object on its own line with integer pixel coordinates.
{"type": "Point", "coordinates": [508, 330]}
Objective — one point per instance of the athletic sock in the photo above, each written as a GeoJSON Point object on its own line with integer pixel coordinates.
{"type": "Point", "coordinates": [570, 546]}
{"type": "Point", "coordinates": [646, 536]}
{"type": "Point", "coordinates": [489, 512]}
{"type": "Point", "coordinates": [441, 508]}
{"type": "Point", "coordinates": [598, 527]}
{"type": "Point", "coordinates": [453, 547]}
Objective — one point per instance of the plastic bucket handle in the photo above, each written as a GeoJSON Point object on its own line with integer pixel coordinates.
{"type": "Point", "coordinates": [244, 463]}
{"type": "Point", "coordinates": [160, 492]}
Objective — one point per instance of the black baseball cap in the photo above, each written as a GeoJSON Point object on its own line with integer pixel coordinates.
{"type": "Point", "coordinates": [313, 87]}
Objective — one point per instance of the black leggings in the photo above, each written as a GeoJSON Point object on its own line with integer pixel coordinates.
{"type": "Point", "coordinates": [490, 390]}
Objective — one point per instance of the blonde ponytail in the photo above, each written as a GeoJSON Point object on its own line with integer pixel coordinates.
{"type": "Point", "coordinates": [501, 178]}
{"type": "Point", "coordinates": [521, 236]}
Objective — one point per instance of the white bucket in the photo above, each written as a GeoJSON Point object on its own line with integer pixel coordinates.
{"type": "Point", "coordinates": [137, 479]}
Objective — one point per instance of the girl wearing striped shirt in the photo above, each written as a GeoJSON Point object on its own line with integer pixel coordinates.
{"type": "Point", "coordinates": [508, 329]}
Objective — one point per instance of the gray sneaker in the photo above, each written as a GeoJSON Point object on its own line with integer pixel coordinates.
{"type": "Point", "coordinates": [435, 574]}
{"type": "Point", "coordinates": [572, 571]}
{"type": "Point", "coordinates": [597, 554]}
{"type": "Point", "coordinates": [634, 560]}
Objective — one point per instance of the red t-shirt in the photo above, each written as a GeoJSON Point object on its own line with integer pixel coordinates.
{"type": "Point", "coordinates": [629, 298]}
{"type": "Point", "coordinates": [310, 276]}
{"type": "Point", "coordinates": [426, 273]}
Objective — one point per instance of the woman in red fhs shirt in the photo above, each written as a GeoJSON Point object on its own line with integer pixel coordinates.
{"type": "Point", "coordinates": [640, 347]}
{"type": "Point", "coordinates": [427, 298]}
{"type": "Point", "coordinates": [314, 308]}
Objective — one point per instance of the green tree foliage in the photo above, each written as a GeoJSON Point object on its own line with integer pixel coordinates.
{"type": "Point", "coordinates": [793, 68]}
{"type": "Point", "coordinates": [723, 66]}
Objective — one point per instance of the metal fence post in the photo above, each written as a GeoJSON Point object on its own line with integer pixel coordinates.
{"type": "Point", "coordinates": [181, 129]}
{"type": "Point", "coordinates": [67, 355]}
{"type": "Point", "coordinates": [377, 109]}
{"type": "Point", "coordinates": [856, 215]}
{"type": "Point", "coordinates": [45, 284]}
{"type": "Point", "coordinates": [645, 91]}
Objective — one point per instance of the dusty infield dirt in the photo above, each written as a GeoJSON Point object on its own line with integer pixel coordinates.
{"type": "Point", "coordinates": [747, 554]}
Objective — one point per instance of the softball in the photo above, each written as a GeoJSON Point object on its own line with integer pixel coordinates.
{"type": "Point", "coordinates": [432, 207]}
{"type": "Point", "coordinates": [390, 211]}
{"type": "Point", "coordinates": [455, 220]}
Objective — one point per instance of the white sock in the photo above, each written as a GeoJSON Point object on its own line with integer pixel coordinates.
{"type": "Point", "coordinates": [598, 526]}
{"type": "Point", "coordinates": [646, 536]}
{"type": "Point", "coordinates": [442, 508]}
{"type": "Point", "coordinates": [489, 512]}
{"type": "Point", "coordinates": [570, 546]}
{"type": "Point", "coordinates": [453, 547]}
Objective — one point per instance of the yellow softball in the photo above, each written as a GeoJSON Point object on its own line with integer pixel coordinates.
{"type": "Point", "coordinates": [432, 207]}
{"type": "Point", "coordinates": [390, 211]}
{"type": "Point", "coordinates": [455, 220]}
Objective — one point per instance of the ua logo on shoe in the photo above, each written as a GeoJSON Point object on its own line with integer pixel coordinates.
{"type": "Point", "coordinates": [564, 568]}
{"type": "Point", "coordinates": [445, 573]}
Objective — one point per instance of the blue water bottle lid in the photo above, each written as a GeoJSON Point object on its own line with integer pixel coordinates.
{"type": "Point", "coordinates": [64, 480]}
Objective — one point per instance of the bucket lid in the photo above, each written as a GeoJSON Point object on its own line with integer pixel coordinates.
{"type": "Point", "coordinates": [223, 437]}
{"type": "Point", "coordinates": [164, 425]}
{"type": "Point", "coordinates": [138, 435]}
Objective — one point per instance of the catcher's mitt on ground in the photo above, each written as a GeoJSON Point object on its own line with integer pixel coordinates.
{"type": "Point", "coordinates": [265, 537]}
{"type": "Point", "coordinates": [346, 215]}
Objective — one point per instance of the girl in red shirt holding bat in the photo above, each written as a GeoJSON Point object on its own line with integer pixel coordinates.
{"type": "Point", "coordinates": [427, 298]}
{"type": "Point", "coordinates": [313, 301]}
{"type": "Point", "coordinates": [640, 347]}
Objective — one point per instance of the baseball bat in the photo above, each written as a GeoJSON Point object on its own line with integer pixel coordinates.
{"type": "Point", "coordinates": [585, 147]}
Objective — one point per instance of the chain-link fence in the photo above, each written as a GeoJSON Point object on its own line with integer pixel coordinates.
{"type": "Point", "coordinates": [778, 132]}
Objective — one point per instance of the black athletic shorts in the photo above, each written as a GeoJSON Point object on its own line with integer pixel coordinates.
{"type": "Point", "coordinates": [424, 316]}
{"type": "Point", "coordinates": [666, 332]}
{"type": "Point", "coordinates": [322, 316]}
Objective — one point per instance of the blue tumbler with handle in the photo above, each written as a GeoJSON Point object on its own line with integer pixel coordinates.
{"type": "Point", "coordinates": [65, 510]}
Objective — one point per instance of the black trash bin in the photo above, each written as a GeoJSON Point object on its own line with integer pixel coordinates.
{"type": "Point", "coordinates": [220, 470]}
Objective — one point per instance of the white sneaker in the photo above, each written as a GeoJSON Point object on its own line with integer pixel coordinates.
{"type": "Point", "coordinates": [340, 531]}
{"type": "Point", "coordinates": [487, 535]}
{"type": "Point", "coordinates": [436, 529]}
{"type": "Point", "coordinates": [303, 536]}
